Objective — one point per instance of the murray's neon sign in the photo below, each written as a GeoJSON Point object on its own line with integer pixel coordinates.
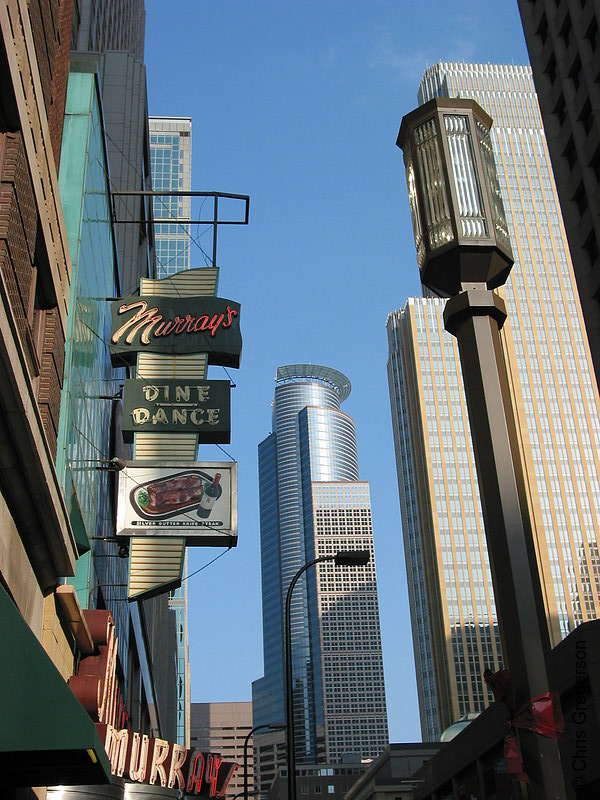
{"type": "Point", "coordinates": [176, 325]}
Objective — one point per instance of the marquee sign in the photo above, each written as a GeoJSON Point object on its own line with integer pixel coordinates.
{"type": "Point", "coordinates": [176, 325]}
{"type": "Point", "coordinates": [144, 759]}
{"type": "Point", "coordinates": [194, 500]}
{"type": "Point", "coordinates": [178, 406]}
{"type": "Point", "coordinates": [136, 756]}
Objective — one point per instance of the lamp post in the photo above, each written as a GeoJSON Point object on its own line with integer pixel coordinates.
{"type": "Point", "coordinates": [464, 252]}
{"type": "Point", "coordinates": [349, 558]}
{"type": "Point", "coordinates": [275, 726]}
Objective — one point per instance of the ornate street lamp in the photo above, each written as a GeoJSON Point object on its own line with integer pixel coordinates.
{"type": "Point", "coordinates": [464, 252]}
{"type": "Point", "coordinates": [460, 227]}
{"type": "Point", "coordinates": [349, 558]}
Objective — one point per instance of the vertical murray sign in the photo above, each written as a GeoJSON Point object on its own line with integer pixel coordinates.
{"type": "Point", "coordinates": [166, 506]}
{"type": "Point", "coordinates": [136, 756]}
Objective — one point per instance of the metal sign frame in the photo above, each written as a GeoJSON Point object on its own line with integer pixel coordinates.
{"type": "Point", "coordinates": [164, 499]}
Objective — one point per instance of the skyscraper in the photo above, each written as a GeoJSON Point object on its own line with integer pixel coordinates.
{"type": "Point", "coordinates": [171, 165]}
{"type": "Point", "coordinates": [101, 25]}
{"type": "Point", "coordinates": [556, 407]}
{"type": "Point", "coordinates": [108, 36]}
{"type": "Point", "coordinates": [312, 503]}
{"type": "Point", "coordinates": [562, 40]}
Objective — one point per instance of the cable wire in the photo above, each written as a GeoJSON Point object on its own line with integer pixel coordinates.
{"type": "Point", "coordinates": [208, 563]}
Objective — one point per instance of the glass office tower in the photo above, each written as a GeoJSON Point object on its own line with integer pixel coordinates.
{"type": "Point", "coordinates": [557, 412]}
{"type": "Point", "coordinates": [312, 503]}
{"type": "Point", "coordinates": [171, 165]}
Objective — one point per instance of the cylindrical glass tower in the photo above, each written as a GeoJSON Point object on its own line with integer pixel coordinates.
{"type": "Point", "coordinates": [313, 443]}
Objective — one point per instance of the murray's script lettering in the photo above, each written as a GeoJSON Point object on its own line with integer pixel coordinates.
{"type": "Point", "coordinates": [176, 325]}
{"type": "Point", "coordinates": [146, 319]}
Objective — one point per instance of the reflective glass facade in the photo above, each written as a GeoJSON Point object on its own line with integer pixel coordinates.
{"type": "Point", "coordinates": [312, 503]}
{"type": "Point", "coordinates": [556, 405]}
{"type": "Point", "coordinates": [86, 407]}
{"type": "Point", "coordinates": [171, 167]}
{"type": "Point", "coordinates": [101, 25]}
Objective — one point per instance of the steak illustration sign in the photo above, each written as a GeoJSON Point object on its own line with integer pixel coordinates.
{"type": "Point", "coordinates": [176, 325]}
{"type": "Point", "coordinates": [194, 500]}
{"type": "Point", "coordinates": [178, 406]}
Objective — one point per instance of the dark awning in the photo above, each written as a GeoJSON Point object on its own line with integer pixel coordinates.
{"type": "Point", "coordinates": [46, 737]}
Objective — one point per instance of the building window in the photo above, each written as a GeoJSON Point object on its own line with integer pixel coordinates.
{"type": "Point", "coordinates": [560, 109]}
{"type": "Point", "coordinates": [542, 29]}
{"type": "Point", "coordinates": [569, 153]}
{"type": "Point", "coordinates": [580, 200]}
{"type": "Point", "coordinates": [551, 68]}
{"type": "Point", "coordinates": [566, 31]}
{"type": "Point", "coordinates": [591, 248]}
{"type": "Point", "coordinates": [595, 164]}
{"type": "Point", "coordinates": [586, 118]}
{"type": "Point", "coordinates": [576, 73]}
{"type": "Point", "coordinates": [592, 34]}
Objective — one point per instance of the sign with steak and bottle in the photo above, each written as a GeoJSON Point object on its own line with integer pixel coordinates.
{"type": "Point", "coordinates": [176, 325]}
{"type": "Point", "coordinates": [177, 406]}
{"type": "Point", "coordinates": [192, 500]}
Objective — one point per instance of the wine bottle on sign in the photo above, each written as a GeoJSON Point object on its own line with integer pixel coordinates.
{"type": "Point", "coordinates": [209, 496]}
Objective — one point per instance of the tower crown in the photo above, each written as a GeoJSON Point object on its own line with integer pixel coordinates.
{"type": "Point", "coordinates": [305, 373]}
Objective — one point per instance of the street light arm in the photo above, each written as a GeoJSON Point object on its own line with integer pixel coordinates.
{"type": "Point", "coordinates": [342, 557]}
{"type": "Point", "coordinates": [347, 558]}
{"type": "Point", "coordinates": [269, 725]}
{"type": "Point", "coordinates": [299, 574]}
{"type": "Point", "coordinates": [289, 681]}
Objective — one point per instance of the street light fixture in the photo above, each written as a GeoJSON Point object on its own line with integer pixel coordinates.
{"type": "Point", "coordinates": [349, 558]}
{"type": "Point", "coordinates": [463, 251]}
{"type": "Point", "coordinates": [274, 726]}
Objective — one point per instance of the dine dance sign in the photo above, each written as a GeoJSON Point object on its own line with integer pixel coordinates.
{"type": "Point", "coordinates": [178, 406]}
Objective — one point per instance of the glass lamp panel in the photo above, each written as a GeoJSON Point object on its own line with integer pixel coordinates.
{"type": "Point", "coordinates": [493, 186]}
{"type": "Point", "coordinates": [437, 208]}
{"type": "Point", "coordinates": [414, 212]}
{"type": "Point", "coordinates": [468, 192]}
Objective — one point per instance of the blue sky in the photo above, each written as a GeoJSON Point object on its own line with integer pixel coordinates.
{"type": "Point", "coordinates": [298, 104]}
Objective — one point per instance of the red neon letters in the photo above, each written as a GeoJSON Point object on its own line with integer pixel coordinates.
{"type": "Point", "coordinates": [143, 759]}
{"type": "Point", "coordinates": [133, 755]}
{"type": "Point", "coordinates": [151, 323]}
